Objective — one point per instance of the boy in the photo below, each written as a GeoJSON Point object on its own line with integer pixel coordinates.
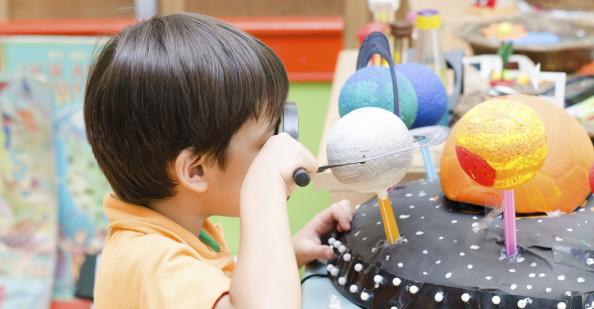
{"type": "Point", "coordinates": [180, 113]}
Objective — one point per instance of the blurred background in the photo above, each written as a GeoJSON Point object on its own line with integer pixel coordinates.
{"type": "Point", "coordinates": [51, 221]}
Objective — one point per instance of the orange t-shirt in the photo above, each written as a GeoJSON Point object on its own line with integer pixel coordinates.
{"type": "Point", "coordinates": [151, 262]}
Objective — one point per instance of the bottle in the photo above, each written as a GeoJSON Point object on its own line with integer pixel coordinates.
{"type": "Point", "coordinates": [402, 33]}
{"type": "Point", "coordinates": [428, 50]}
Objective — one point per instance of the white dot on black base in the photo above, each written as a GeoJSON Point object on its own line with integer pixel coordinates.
{"type": "Point", "coordinates": [353, 289]}
{"type": "Point", "coordinates": [329, 267]}
{"type": "Point", "coordinates": [346, 257]}
{"type": "Point", "coordinates": [331, 241]}
{"type": "Point", "coordinates": [337, 244]}
{"type": "Point", "coordinates": [358, 267]}
{"type": "Point", "coordinates": [364, 296]}
{"type": "Point", "coordinates": [378, 279]}
{"type": "Point", "coordinates": [496, 300]}
{"type": "Point", "coordinates": [396, 281]}
{"type": "Point", "coordinates": [561, 306]}
{"type": "Point", "coordinates": [465, 297]}
{"type": "Point", "coordinates": [334, 271]}
{"type": "Point", "coordinates": [438, 297]}
{"type": "Point", "coordinates": [341, 249]}
{"type": "Point", "coordinates": [522, 303]}
{"type": "Point", "coordinates": [342, 281]}
{"type": "Point", "coordinates": [413, 289]}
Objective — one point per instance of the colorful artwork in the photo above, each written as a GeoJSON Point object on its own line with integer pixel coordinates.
{"type": "Point", "coordinates": [28, 202]}
{"type": "Point", "coordinates": [501, 143]}
{"type": "Point", "coordinates": [64, 62]}
{"type": "Point", "coordinates": [559, 186]}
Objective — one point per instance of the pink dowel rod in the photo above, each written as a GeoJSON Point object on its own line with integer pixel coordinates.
{"type": "Point", "coordinates": [509, 224]}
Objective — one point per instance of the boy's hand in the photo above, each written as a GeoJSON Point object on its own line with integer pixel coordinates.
{"type": "Point", "coordinates": [307, 243]}
{"type": "Point", "coordinates": [276, 163]}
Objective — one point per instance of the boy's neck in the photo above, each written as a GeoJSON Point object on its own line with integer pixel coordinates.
{"type": "Point", "coordinates": [184, 214]}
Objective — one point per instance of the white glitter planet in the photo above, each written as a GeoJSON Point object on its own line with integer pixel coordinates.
{"type": "Point", "coordinates": [364, 133]}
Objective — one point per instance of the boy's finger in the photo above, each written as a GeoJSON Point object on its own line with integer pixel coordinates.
{"type": "Point", "coordinates": [342, 214]}
{"type": "Point", "coordinates": [322, 252]}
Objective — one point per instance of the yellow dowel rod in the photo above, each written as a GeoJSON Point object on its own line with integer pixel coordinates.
{"type": "Point", "coordinates": [388, 219]}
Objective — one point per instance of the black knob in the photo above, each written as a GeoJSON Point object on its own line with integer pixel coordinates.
{"type": "Point", "coordinates": [301, 177]}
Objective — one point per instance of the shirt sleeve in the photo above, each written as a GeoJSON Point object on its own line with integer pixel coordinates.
{"type": "Point", "coordinates": [179, 280]}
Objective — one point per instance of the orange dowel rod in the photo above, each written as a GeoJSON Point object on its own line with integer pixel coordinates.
{"type": "Point", "coordinates": [388, 219]}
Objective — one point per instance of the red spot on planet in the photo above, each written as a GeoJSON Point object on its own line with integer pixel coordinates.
{"type": "Point", "coordinates": [476, 167]}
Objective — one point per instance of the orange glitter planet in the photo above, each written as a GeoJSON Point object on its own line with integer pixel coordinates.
{"type": "Point", "coordinates": [501, 143]}
{"type": "Point", "coordinates": [560, 185]}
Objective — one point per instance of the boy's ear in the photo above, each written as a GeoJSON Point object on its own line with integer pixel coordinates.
{"type": "Point", "coordinates": [189, 169]}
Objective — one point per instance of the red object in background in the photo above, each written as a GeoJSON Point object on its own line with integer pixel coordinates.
{"type": "Point", "coordinates": [368, 29]}
{"type": "Point", "coordinates": [485, 3]}
{"type": "Point", "coordinates": [508, 83]}
{"type": "Point", "coordinates": [591, 178]}
{"type": "Point", "coordinates": [308, 46]}
{"type": "Point", "coordinates": [587, 69]}
{"type": "Point", "coordinates": [71, 304]}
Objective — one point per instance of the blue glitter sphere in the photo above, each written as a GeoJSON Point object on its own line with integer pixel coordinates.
{"type": "Point", "coordinates": [432, 99]}
{"type": "Point", "coordinates": [372, 87]}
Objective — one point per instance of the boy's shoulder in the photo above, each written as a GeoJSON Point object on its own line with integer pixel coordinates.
{"type": "Point", "coordinates": [148, 253]}
{"type": "Point", "coordinates": [137, 268]}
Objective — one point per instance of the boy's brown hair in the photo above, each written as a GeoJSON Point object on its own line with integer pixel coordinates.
{"type": "Point", "coordinates": [170, 83]}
